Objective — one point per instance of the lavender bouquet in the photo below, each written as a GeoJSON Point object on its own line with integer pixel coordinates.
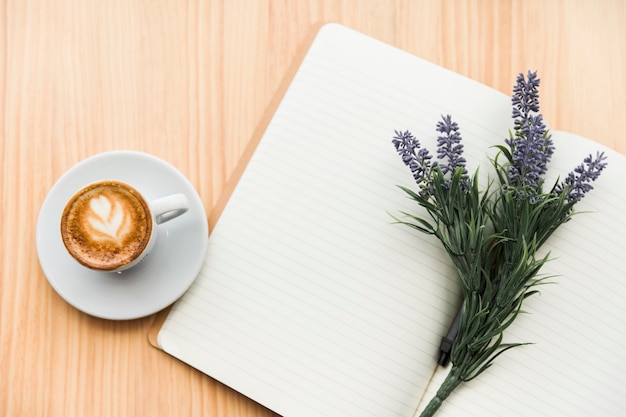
{"type": "Point", "coordinates": [492, 236]}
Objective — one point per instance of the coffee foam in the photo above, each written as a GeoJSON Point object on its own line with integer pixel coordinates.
{"type": "Point", "coordinates": [108, 219]}
{"type": "Point", "coordinates": [106, 225]}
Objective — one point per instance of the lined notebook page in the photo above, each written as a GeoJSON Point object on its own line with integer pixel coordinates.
{"type": "Point", "coordinates": [577, 366]}
{"type": "Point", "coordinates": [311, 301]}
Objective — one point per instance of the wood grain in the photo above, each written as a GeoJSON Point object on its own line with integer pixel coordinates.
{"type": "Point", "coordinates": [188, 81]}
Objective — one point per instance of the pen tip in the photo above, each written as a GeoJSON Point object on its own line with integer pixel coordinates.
{"type": "Point", "coordinates": [444, 359]}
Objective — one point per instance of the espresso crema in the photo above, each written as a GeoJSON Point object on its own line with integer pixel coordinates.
{"type": "Point", "coordinates": [106, 225]}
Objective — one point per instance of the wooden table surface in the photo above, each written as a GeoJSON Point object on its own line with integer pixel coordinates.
{"type": "Point", "coordinates": [188, 81]}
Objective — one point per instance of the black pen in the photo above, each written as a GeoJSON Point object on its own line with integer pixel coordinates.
{"type": "Point", "coordinates": [446, 342]}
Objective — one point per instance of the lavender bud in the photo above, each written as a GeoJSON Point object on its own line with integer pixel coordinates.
{"type": "Point", "coordinates": [416, 158]}
{"type": "Point", "coordinates": [578, 181]}
{"type": "Point", "coordinates": [525, 97]}
{"type": "Point", "coordinates": [531, 144]}
{"type": "Point", "coordinates": [449, 145]}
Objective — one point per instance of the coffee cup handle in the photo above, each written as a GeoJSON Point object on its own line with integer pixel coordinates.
{"type": "Point", "coordinates": [167, 208]}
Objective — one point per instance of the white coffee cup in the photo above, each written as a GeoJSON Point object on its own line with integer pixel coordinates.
{"type": "Point", "coordinates": [109, 225]}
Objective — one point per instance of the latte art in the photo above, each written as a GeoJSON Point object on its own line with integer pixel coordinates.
{"type": "Point", "coordinates": [108, 220]}
{"type": "Point", "coordinates": [106, 225]}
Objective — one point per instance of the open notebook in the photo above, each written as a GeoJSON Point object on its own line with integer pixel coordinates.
{"type": "Point", "coordinates": [313, 303]}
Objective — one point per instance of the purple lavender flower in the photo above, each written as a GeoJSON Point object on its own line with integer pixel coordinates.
{"type": "Point", "coordinates": [449, 146]}
{"type": "Point", "coordinates": [531, 144]}
{"type": "Point", "coordinates": [413, 156]}
{"type": "Point", "coordinates": [576, 184]}
{"type": "Point", "coordinates": [525, 97]}
{"type": "Point", "coordinates": [449, 154]}
{"type": "Point", "coordinates": [531, 149]}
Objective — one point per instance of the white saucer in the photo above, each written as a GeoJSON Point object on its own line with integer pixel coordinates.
{"type": "Point", "coordinates": [162, 277]}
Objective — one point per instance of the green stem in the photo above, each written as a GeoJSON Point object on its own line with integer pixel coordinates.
{"type": "Point", "coordinates": [448, 385]}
